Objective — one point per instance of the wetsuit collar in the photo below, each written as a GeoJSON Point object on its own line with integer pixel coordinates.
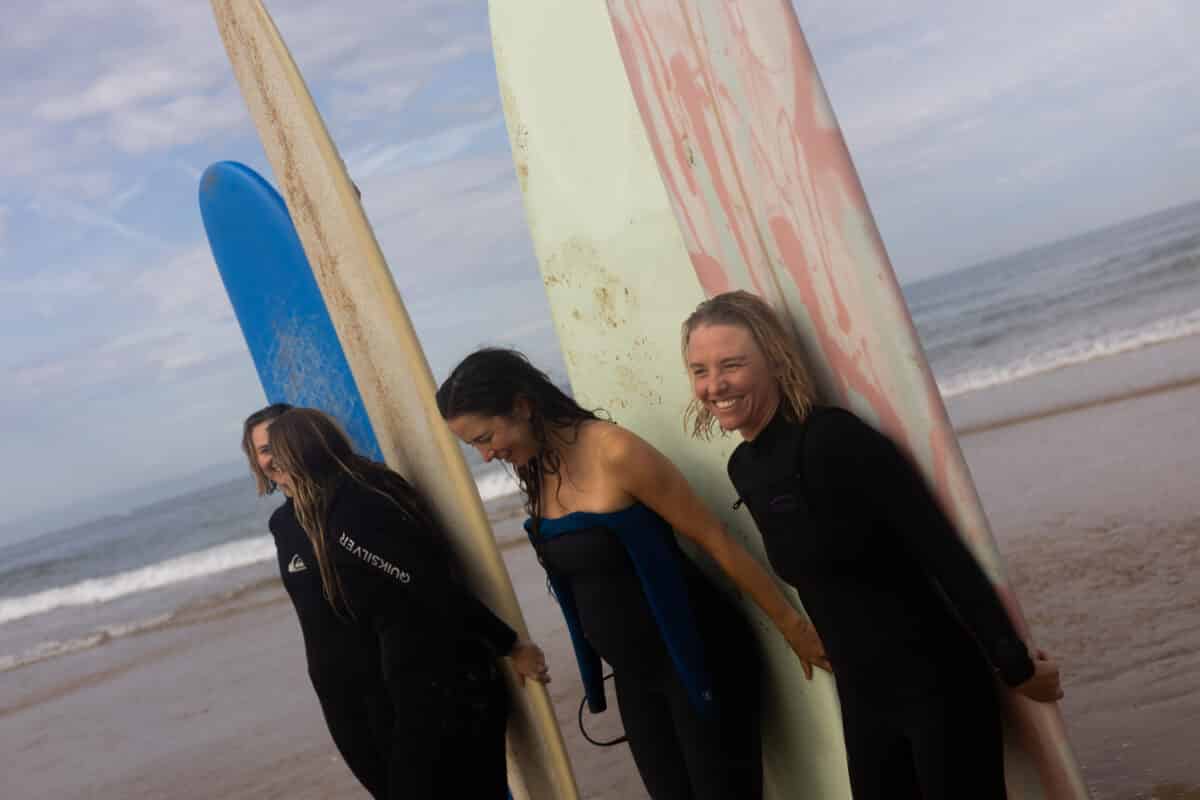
{"type": "Point", "coordinates": [771, 432]}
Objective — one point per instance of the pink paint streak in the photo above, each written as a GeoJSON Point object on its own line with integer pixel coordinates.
{"type": "Point", "coordinates": [811, 199]}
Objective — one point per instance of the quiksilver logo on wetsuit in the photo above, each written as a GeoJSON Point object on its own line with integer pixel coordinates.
{"type": "Point", "coordinates": [378, 562]}
{"type": "Point", "coordinates": [297, 564]}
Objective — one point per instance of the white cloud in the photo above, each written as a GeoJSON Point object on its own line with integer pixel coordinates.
{"type": "Point", "coordinates": [937, 100]}
{"type": "Point", "coordinates": [178, 122]}
{"type": "Point", "coordinates": [127, 195]}
{"type": "Point", "coordinates": [438, 147]}
{"type": "Point", "coordinates": [188, 281]}
{"type": "Point", "coordinates": [383, 64]}
{"type": "Point", "coordinates": [39, 287]}
{"type": "Point", "coordinates": [124, 88]}
{"type": "Point", "coordinates": [383, 98]}
{"type": "Point", "coordinates": [81, 216]}
{"type": "Point", "coordinates": [923, 69]}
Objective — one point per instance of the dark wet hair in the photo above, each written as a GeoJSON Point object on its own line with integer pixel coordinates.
{"type": "Point", "coordinates": [489, 382]}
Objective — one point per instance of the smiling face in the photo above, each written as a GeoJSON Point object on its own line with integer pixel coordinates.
{"type": "Point", "coordinates": [732, 378]}
{"type": "Point", "coordinates": [508, 437]}
{"type": "Point", "coordinates": [261, 443]}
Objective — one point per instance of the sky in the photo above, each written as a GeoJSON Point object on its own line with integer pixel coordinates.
{"type": "Point", "coordinates": [978, 128]}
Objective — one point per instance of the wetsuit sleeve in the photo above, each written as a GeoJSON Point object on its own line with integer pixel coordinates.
{"type": "Point", "coordinates": [481, 621]}
{"type": "Point", "coordinates": [856, 461]}
{"type": "Point", "coordinates": [397, 579]}
{"type": "Point", "coordinates": [395, 570]}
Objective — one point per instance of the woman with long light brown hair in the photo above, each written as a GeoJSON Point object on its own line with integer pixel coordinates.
{"type": "Point", "coordinates": [343, 661]}
{"type": "Point", "coordinates": [386, 568]}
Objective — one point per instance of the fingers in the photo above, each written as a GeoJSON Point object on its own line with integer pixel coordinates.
{"type": "Point", "coordinates": [529, 662]}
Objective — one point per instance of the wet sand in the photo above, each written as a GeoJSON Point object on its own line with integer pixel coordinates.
{"type": "Point", "coordinates": [1092, 503]}
{"type": "Point", "coordinates": [1097, 515]}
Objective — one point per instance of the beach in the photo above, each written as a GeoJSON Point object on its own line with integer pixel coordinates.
{"type": "Point", "coordinates": [1087, 477]}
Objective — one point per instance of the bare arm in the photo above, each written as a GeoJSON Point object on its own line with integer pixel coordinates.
{"type": "Point", "coordinates": [647, 475]}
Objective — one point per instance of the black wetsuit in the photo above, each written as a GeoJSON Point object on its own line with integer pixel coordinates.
{"type": "Point", "coordinates": [908, 619]}
{"type": "Point", "coordinates": [343, 664]}
{"type": "Point", "coordinates": [680, 754]}
{"type": "Point", "coordinates": [438, 647]}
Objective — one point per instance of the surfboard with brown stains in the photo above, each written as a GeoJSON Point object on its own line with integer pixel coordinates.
{"type": "Point", "coordinates": [767, 199]}
{"type": "Point", "coordinates": [677, 149]}
{"type": "Point", "coordinates": [384, 355]}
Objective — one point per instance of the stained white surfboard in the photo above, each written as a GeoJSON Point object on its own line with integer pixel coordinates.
{"type": "Point", "coordinates": [383, 352]}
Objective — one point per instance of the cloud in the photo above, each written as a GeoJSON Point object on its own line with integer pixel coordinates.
{"type": "Point", "coordinates": [77, 283]}
{"type": "Point", "coordinates": [924, 70]}
{"type": "Point", "coordinates": [121, 89]}
{"type": "Point", "coordinates": [424, 151]}
{"type": "Point", "coordinates": [966, 119]}
{"type": "Point", "coordinates": [366, 103]}
{"type": "Point", "coordinates": [121, 199]}
{"type": "Point", "coordinates": [62, 210]}
{"type": "Point", "coordinates": [178, 122]}
{"type": "Point", "coordinates": [187, 281]}
{"type": "Point", "coordinates": [976, 127]}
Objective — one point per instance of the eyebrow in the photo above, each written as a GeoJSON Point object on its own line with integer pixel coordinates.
{"type": "Point", "coordinates": [726, 360]}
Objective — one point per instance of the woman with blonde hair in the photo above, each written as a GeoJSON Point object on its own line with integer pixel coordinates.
{"type": "Point", "coordinates": [386, 569]}
{"type": "Point", "coordinates": [913, 629]}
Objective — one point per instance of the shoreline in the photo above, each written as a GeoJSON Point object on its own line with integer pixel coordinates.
{"type": "Point", "coordinates": [1083, 405]}
{"type": "Point", "coordinates": [1091, 503]}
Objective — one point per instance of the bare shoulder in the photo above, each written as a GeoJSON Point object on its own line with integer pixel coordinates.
{"type": "Point", "coordinates": [614, 446]}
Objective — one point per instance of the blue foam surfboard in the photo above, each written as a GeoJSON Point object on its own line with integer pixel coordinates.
{"type": "Point", "coordinates": [276, 299]}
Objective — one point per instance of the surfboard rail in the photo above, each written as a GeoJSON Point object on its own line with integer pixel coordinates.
{"type": "Point", "coordinates": [383, 352]}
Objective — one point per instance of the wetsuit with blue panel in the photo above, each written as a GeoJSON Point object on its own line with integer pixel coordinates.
{"type": "Point", "coordinates": [685, 665]}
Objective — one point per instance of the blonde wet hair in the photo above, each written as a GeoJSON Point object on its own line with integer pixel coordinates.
{"type": "Point", "coordinates": [750, 312]}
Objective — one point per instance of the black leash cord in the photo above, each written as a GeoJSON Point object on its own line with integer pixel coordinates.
{"type": "Point", "coordinates": [582, 703]}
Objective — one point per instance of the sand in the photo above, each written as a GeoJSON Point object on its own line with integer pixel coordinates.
{"type": "Point", "coordinates": [1092, 503]}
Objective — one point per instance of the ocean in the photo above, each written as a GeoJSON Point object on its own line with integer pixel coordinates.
{"type": "Point", "coordinates": [1095, 296]}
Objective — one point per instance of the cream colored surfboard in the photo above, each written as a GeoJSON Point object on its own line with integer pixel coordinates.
{"type": "Point", "coordinates": [767, 199]}
{"type": "Point", "coordinates": [620, 283]}
{"type": "Point", "coordinates": [383, 352]}
{"type": "Point", "coordinates": [693, 151]}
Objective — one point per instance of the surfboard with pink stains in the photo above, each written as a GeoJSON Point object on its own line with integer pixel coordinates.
{"type": "Point", "coordinates": [766, 198]}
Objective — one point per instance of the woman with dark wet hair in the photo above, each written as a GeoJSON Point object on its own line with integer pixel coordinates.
{"type": "Point", "coordinates": [602, 504]}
